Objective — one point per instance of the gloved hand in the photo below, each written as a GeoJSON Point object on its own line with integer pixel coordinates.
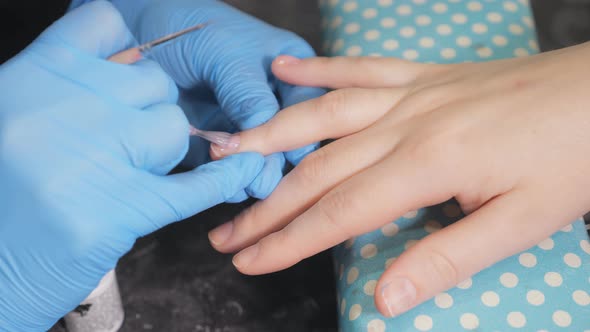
{"type": "Point", "coordinates": [84, 146]}
{"type": "Point", "coordinates": [231, 57]}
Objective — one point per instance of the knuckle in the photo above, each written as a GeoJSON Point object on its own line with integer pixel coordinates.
{"type": "Point", "coordinates": [441, 266]}
{"type": "Point", "coordinates": [332, 208]}
{"type": "Point", "coordinates": [440, 144]}
{"type": "Point", "coordinates": [423, 150]}
{"type": "Point", "coordinates": [333, 103]}
{"type": "Point", "coordinates": [312, 168]}
{"type": "Point", "coordinates": [432, 96]}
{"type": "Point", "coordinates": [472, 199]}
{"type": "Point", "coordinates": [427, 72]}
{"type": "Point", "coordinates": [264, 137]}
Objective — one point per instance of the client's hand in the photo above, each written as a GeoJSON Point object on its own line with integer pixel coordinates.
{"type": "Point", "coordinates": [508, 139]}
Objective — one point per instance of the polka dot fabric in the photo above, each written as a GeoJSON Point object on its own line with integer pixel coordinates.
{"type": "Point", "coordinates": [546, 288]}
{"type": "Point", "coordinates": [429, 31]}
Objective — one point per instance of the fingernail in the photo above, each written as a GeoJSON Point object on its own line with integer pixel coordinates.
{"type": "Point", "coordinates": [246, 256]}
{"type": "Point", "coordinates": [399, 295]}
{"type": "Point", "coordinates": [285, 60]}
{"type": "Point", "coordinates": [227, 146]}
{"type": "Point", "coordinates": [221, 234]}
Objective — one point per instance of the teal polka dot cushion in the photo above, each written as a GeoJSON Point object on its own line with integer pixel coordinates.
{"type": "Point", "coordinates": [545, 288]}
{"type": "Point", "coordinates": [429, 31]}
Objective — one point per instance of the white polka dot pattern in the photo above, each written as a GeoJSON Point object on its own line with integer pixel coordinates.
{"type": "Point", "coordinates": [545, 288]}
{"type": "Point", "coordinates": [487, 29]}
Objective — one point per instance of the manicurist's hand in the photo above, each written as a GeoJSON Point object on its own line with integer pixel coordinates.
{"type": "Point", "coordinates": [85, 146]}
{"type": "Point", "coordinates": [508, 139]}
{"type": "Point", "coordinates": [223, 71]}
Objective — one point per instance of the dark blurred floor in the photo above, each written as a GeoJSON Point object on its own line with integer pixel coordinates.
{"type": "Point", "coordinates": [173, 280]}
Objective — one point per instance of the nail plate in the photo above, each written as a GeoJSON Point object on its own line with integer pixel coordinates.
{"type": "Point", "coordinates": [226, 147]}
{"type": "Point", "coordinates": [399, 295]}
{"type": "Point", "coordinates": [246, 256]}
{"type": "Point", "coordinates": [221, 234]}
{"type": "Point", "coordinates": [223, 140]}
{"type": "Point", "coordinates": [285, 60]}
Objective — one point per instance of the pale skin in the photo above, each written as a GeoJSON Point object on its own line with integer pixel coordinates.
{"type": "Point", "coordinates": [509, 140]}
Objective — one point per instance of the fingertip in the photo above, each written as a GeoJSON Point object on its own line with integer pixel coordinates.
{"type": "Point", "coordinates": [78, 29]}
{"type": "Point", "coordinates": [380, 303]}
{"type": "Point", "coordinates": [268, 178]}
{"type": "Point", "coordinates": [220, 234]}
{"type": "Point", "coordinates": [283, 66]}
{"type": "Point", "coordinates": [245, 258]}
{"type": "Point", "coordinates": [285, 61]}
{"type": "Point", "coordinates": [215, 152]}
{"type": "Point", "coordinates": [395, 295]}
{"type": "Point", "coordinates": [224, 147]}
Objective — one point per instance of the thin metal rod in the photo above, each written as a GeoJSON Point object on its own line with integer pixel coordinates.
{"type": "Point", "coordinates": [153, 43]}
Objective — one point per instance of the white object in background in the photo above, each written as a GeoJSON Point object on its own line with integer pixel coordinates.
{"type": "Point", "coordinates": [101, 311]}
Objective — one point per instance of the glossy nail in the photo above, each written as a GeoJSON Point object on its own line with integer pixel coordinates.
{"type": "Point", "coordinates": [221, 234]}
{"type": "Point", "coordinates": [221, 138]}
{"type": "Point", "coordinates": [226, 147]}
{"type": "Point", "coordinates": [399, 295]}
{"type": "Point", "coordinates": [286, 60]}
{"type": "Point", "coordinates": [246, 256]}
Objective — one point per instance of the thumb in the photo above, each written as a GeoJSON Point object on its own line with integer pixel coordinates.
{"type": "Point", "coordinates": [501, 228]}
{"type": "Point", "coordinates": [189, 193]}
{"type": "Point", "coordinates": [96, 28]}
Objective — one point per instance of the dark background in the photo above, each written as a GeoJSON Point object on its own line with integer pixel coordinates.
{"type": "Point", "coordinates": [173, 280]}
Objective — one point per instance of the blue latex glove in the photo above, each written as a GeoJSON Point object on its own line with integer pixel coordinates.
{"type": "Point", "coordinates": [231, 57]}
{"type": "Point", "coordinates": [84, 146]}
